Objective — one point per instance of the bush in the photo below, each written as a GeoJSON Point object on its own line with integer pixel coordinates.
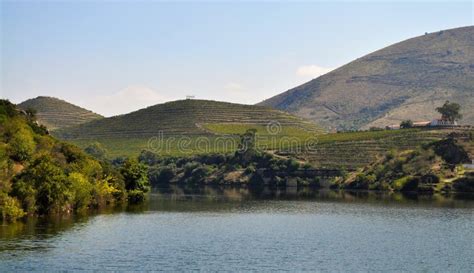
{"type": "Point", "coordinates": [80, 189]}
{"type": "Point", "coordinates": [136, 196]}
{"type": "Point", "coordinates": [104, 193]}
{"type": "Point", "coordinates": [21, 145]}
{"type": "Point", "coordinates": [190, 167]}
{"type": "Point", "coordinates": [47, 182]}
{"type": "Point", "coordinates": [135, 175]}
{"type": "Point", "coordinates": [292, 165]}
{"type": "Point", "coordinates": [199, 174]}
{"type": "Point", "coordinates": [450, 151]}
{"type": "Point", "coordinates": [10, 208]}
{"type": "Point", "coordinates": [149, 158]}
{"type": "Point", "coordinates": [161, 175]}
{"type": "Point", "coordinates": [96, 150]}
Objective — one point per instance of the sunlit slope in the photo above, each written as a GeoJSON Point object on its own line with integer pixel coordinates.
{"type": "Point", "coordinates": [407, 80]}
{"type": "Point", "coordinates": [55, 113]}
{"type": "Point", "coordinates": [357, 149]}
{"type": "Point", "coordinates": [189, 118]}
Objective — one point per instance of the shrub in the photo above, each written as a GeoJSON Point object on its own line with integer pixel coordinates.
{"type": "Point", "coordinates": [21, 145]}
{"type": "Point", "coordinates": [45, 183]}
{"type": "Point", "coordinates": [162, 175]}
{"type": "Point", "coordinates": [135, 175]}
{"type": "Point", "coordinates": [400, 183]}
{"type": "Point", "coordinates": [10, 208]}
{"type": "Point", "coordinates": [149, 158]}
{"type": "Point", "coordinates": [80, 189]}
{"type": "Point", "coordinates": [450, 151]}
{"type": "Point", "coordinates": [136, 196]}
{"type": "Point", "coordinates": [292, 165]}
{"type": "Point", "coordinates": [96, 150]}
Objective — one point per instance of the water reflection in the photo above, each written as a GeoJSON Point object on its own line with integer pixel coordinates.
{"type": "Point", "coordinates": [241, 229]}
{"type": "Point", "coordinates": [214, 194]}
{"type": "Point", "coordinates": [35, 233]}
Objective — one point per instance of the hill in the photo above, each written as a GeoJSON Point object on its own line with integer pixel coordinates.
{"type": "Point", "coordinates": [55, 113]}
{"type": "Point", "coordinates": [353, 150]}
{"type": "Point", "coordinates": [42, 175]}
{"type": "Point", "coordinates": [407, 80]}
{"type": "Point", "coordinates": [191, 119]}
{"type": "Point", "coordinates": [431, 168]}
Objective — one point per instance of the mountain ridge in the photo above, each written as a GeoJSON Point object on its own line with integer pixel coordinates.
{"type": "Point", "coordinates": [406, 80]}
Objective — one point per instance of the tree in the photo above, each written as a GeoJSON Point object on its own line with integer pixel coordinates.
{"type": "Point", "coordinates": [248, 147]}
{"type": "Point", "coordinates": [406, 124]}
{"type": "Point", "coordinates": [450, 111]}
{"type": "Point", "coordinates": [21, 145]}
{"type": "Point", "coordinates": [135, 175]}
{"type": "Point", "coordinates": [42, 187]}
{"type": "Point", "coordinates": [96, 150]}
{"type": "Point", "coordinates": [80, 189]}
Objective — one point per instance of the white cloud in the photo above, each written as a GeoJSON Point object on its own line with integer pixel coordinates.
{"type": "Point", "coordinates": [234, 87]}
{"type": "Point", "coordinates": [312, 71]}
{"type": "Point", "coordinates": [127, 100]}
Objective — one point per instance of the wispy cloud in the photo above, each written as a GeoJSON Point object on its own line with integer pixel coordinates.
{"type": "Point", "coordinates": [129, 99]}
{"type": "Point", "coordinates": [234, 87]}
{"type": "Point", "coordinates": [312, 70]}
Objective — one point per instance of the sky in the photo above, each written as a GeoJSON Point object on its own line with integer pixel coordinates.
{"type": "Point", "coordinates": [114, 57]}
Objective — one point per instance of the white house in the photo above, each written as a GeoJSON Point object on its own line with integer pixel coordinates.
{"type": "Point", "coordinates": [442, 122]}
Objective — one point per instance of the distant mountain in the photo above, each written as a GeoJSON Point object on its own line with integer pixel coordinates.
{"type": "Point", "coordinates": [407, 80]}
{"type": "Point", "coordinates": [55, 113]}
{"type": "Point", "coordinates": [186, 117]}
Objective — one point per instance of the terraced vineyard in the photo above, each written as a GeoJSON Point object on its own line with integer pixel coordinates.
{"type": "Point", "coordinates": [355, 150]}
{"type": "Point", "coordinates": [185, 118]}
{"type": "Point", "coordinates": [189, 127]}
{"type": "Point", "coordinates": [55, 113]}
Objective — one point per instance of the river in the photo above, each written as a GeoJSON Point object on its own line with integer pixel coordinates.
{"type": "Point", "coordinates": [234, 229]}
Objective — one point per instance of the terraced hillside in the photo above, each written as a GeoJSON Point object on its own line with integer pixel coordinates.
{"type": "Point", "coordinates": [184, 117]}
{"type": "Point", "coordinates": [407, 80]}
{"type": "Point", "coordinates": [55, 113]}
{"type": "Point", "coordinates": [186, 120]}
{"type": "Point", "coordinates": [357, 149]}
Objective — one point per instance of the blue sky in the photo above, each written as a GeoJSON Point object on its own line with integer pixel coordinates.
{"type": "Point", "coordinates": [115, 57]}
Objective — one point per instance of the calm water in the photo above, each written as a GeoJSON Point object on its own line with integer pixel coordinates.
{"type": "Point", "coordinates": [237, 230]}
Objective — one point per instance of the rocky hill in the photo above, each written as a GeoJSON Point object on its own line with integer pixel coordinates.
{"type": "Point", "coordinates": [407, 80]}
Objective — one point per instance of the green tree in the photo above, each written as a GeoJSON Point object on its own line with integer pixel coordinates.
{"type": "Point", "coordinates": [135, 175]}
{"type": "Point", "coordinates": [406, 124]}
{"type": "Point", "coordinates": [21, 145]}
{"type": "Point", "coordinates": [96, 150]}
{"type": "Point", "coordinates": [450, 111]}
{"type": "Point", "coordinates": [10, 208]}
{"type": "Point", "coordinates": [247, 147]}
{"type": "Point", "coordinates": [47, 183]}
{"type": "Point", "coordinates": [80, 189]}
